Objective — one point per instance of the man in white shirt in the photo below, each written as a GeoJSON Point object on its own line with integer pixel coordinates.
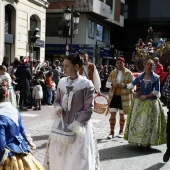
{"type": "Point", "coordinates": [90, 71]}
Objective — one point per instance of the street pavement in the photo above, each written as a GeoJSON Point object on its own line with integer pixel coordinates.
{"type": "Point", "coordinates": [115, 154]}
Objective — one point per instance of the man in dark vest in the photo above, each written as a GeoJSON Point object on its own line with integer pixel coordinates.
{"type": "Point", "coordinates": [90, 71]}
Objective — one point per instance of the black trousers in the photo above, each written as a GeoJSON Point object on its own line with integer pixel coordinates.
{"type": "Point", "coordinates": [168, 126]}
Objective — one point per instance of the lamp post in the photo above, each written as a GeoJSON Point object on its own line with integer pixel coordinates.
{"type": "Point", "coordinates": [72, 19]}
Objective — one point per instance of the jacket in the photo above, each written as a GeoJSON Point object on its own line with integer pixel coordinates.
{"type": "Point", "coordinates": [126, 94]}
{"type": "Point", "coordinates": [12, 135]}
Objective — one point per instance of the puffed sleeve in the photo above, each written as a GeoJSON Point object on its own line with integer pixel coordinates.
{"type": "Point", "coordinates": [3, 124]}
{"type": "Point", "coordinates": [134, 82]}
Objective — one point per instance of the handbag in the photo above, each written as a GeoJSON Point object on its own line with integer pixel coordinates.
{"type": "Point", "coordinates": [60, 134]}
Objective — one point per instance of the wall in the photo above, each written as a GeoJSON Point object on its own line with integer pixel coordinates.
{"type": "Point", "coordinates": [24, 9]}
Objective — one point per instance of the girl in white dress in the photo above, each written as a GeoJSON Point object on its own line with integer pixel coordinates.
{"type": "Point", "coordinates": [74, 101]}
{"type": "Point", "coordinates": [6, 78]}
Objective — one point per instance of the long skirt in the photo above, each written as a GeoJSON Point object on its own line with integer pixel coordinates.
{"type": "Point", "coordinates": [21, 162]}
{"type": "Point", "coordinates": [146, 123]}
{"type": "Point", "coordinates": [81, 155]}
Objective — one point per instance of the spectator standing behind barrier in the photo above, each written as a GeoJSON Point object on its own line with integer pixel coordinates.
{"type": "Point", "coordinates": [89, 70]}
{"type": "Point", "coordinates": [15, 153]}
{"type": "Point", "coordinates": [166, 94]}
{"type": "Point", "coordinates": [74, 101]}
{"type": "Point", "coordinates": [37, 94]}
{"type": "Point", "coordinates": [146, 123]}
{"type": "Point", "coordinates": [119, 97]}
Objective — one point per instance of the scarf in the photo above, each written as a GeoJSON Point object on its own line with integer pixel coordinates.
{"type": "Point", "coordinates": [69, 87]}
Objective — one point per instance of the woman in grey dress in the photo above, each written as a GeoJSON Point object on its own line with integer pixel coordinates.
{"type": "Point", "coordinates": [74, 101]}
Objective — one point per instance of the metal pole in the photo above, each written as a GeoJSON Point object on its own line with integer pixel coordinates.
{"type": "Point", "coordinates": [71, 33]}
{"type": "Point", "coordinates": [31, 57]}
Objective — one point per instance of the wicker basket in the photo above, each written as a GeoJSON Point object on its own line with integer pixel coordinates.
{"type": "Point", "coordinates": [100, 108]}
{"type": "Point", "coordinates": [62, 136]}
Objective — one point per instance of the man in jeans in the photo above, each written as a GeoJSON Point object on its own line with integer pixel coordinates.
{"type": "Point", "coordinates": [166, 93]}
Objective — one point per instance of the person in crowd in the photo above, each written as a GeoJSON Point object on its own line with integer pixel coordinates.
{"type": "Point", "coordinates": [166, 93]}
{"type": "Point", "coordinates": [58, 66]}
{"type": "Point", "coordinates": [49, 84]}
{"type": "Point", "coordinates": [23, 79]}
{"type": "Point", "coordinates": [89, 70]}
{"type": "Point", "coordinates": [5, 61]}
{"type": "Point", "coordinates": [103, 80]}
{"type": "Point", "coordinates": [47, 67]}
{"type": "Point", "coordinates": [133, 68]}
{"type": "Point", "coordinates": [37, 94]}
{"type": "Point", "coordinates": [158, 69]}
{"type": "Point", "coordinates": [15, 153]}
{"type": "Point", "coordinates": [41, 78]}
{"type": "Point", "coordinates": [146, 123]}
{"type": "Point", "coordinates": [34, 65]}
{"type": "Point", "coordinates": [56, 75]}
{"type": "Point", "coordinates": [12, 69]}
{"type": "Point", "coordinates": [119, 97]}
{"type": "Point", "coordinates": [83, 153]}
{"type": "Point", "coordinates": [17, 92]}
{"type": "Point", "coordinates": [5, 77]}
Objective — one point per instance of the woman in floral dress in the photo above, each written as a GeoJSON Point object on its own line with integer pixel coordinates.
{"type": "Point", "coordinates": [146, 123]}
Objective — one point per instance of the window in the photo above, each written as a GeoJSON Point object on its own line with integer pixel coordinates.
{"type": "Point", "coordinates": [99, 32]}
{"type": "Point", "coordinates": [7, 20]}
{"type": "Point", "coordinates": [91, 29]}
{"type": "Point", "coordinates": [33, 23]}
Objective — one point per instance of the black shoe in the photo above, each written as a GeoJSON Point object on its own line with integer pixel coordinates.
{"type": "Point", "coordinates": [166, 156]}
{"type": "Point", "coordinates": [23, 108]}
{"type": "Point", "coordinates": [49, 104]}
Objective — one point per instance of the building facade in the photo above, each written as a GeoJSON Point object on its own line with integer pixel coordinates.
{"type": "Point", "coordinates": [93, 36]}
{"type": "Point", "coordinates": [140, 15]}
{"type": "Point", "coordinates": [17, 18]}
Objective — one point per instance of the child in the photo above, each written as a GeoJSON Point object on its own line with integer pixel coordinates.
{"type": "Point", "coordinates": [4, 76]}
{"type": "Point", "coordinates": [37, 94]}
{"type": "Point", "coordinates": [49, 85]}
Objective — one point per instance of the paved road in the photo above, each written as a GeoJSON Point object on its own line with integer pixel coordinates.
{"type": "Point", "coordinates": [115, 154]}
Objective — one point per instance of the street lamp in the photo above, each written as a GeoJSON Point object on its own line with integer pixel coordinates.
{"type": "Point", "coordinates": [72, 19]}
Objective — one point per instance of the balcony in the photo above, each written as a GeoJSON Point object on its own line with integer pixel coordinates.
{"type": "Point", "coordinates": [42, 3]}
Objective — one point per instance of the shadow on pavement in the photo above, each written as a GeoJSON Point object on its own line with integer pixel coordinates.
{"type": "Point", "coordinates": [43, 146]}
{"type": "Point", "coordinates": [104, 140]}
{"type": "Point", "coordinates": [37, 138]}
{"type": "Point", "coordinates": [124, 151]}
{"type": "Point", "coordinates": [156, 166]}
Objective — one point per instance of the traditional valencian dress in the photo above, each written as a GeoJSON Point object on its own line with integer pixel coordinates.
{"type": "Point", "coordinates": [146, 123]}
{"type": "Point", "coordinates": [14, 150]}
{"type": "Point", "coordinates": [76, 99]}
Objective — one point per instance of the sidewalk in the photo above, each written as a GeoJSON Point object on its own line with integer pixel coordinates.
{"type": "Point", "coordinates": [115, 154]}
